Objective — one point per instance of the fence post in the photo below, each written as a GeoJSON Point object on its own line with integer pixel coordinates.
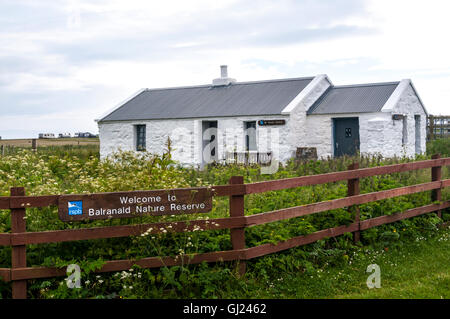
{"type": "Point", "coordinates": [34, 145]}
{"type": "Point", "coordinates": [431, 127]}
{"type": "Point", "coordinates": [237, 210]}
{"type": "Point", "coordinates": [436, 175]}
{"type": "Point", "coordinates": [18, 254]}
{"type": "Point", "coordinates": [353, 189]}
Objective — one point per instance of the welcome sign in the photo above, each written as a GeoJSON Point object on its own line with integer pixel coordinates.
{"type": "Point", "coordinates": [134, 204]}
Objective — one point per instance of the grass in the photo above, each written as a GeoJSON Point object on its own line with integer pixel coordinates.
{"type": "Point", "coordinates": [71, 149]}
{"type": "Point", "coordinates": [26, 143]}
{"type": "Point", "coordinates": [417, 269]}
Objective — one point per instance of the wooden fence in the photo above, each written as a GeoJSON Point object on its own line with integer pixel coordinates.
{"type": "Point", "coordinates": [6, 149]}
{"type": "Point", "coordinates": [438, 126]}
{"type": "Point", "coordinates": [18, 238]}
{"type": "Point", "coordinates": [248, 158]}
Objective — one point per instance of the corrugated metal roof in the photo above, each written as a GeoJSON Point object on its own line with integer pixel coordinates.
{"type": "Point", "coordinates": [237, 99]}
{"type": "Point", "coordinates": [359, 98]}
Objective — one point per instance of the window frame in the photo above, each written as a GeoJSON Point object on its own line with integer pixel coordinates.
{"type": "Point", "coordinates": [247, 136]}
{"type": "Point", "coordinates": [140, 141]}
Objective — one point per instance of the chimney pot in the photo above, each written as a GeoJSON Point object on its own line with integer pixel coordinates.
{"type": "Point", "coordinates": [224, 79]}
{"type": "Point", "coordinates": [223, 71]}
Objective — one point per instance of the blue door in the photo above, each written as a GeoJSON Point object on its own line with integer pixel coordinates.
{"type": "Point", "coordinates": [346, 136]}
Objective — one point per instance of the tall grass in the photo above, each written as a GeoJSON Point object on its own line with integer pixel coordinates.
{"type": "Point", "coordinates": [78, 151]}
{"type": "Point", "coordinates": [441, 146]}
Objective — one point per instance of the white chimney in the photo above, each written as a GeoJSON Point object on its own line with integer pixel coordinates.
{"type": "Point", "coordinates": [224, 71]}
{"type": "Point", "coordinates": [224, 79]}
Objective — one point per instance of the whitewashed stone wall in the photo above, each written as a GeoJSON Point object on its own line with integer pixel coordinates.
{"type": "Point", "coordinates": [378, 132]}
{"type": "Point", "coordinates": [116, 136]}
{"type": "Point", "coordinates": [409, 105]}
{"type": "Point", "coordinates": [299, 134]}
{"type": "Point", "coordinates": [186, 137]}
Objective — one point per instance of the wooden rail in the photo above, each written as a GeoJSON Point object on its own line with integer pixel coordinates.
{"type": "Point", "coordinates": [18, 238]}
{"type": "Point", "coordinates": [438, 126]}
{"type": "Point", "coordinates": [248, 157]}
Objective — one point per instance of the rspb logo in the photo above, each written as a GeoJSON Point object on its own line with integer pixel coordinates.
{"type": "Point", "coordinates": [75, 208]}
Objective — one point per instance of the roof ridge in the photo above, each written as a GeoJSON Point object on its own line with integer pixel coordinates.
{"type": "Point", "coordinates": [233, 84]}
{"type": "Point", "coordinates": [366, 84]}
{"type": "Point", "coordinates": [277, 80]}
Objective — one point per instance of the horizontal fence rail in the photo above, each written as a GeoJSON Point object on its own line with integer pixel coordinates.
{"type": "Point", "coordinates": [340, 176]}
{"type": "Point", "coordinates": [19, 273]}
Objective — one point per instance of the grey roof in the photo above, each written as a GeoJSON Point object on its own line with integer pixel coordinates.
{"type": "Point", "coordinates": [237, 99]}
{"type": "Point", "coordinates": [359, 98]}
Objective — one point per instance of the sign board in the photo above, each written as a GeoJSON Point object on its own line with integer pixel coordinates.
{"type": "Point", "coordinates": [397, 116]}
{"type": "Point", "coordinates": [271, 122]}
{"type": "Point", "coordinates": [134, 204]}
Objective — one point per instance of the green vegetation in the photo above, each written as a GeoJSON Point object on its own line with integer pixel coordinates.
{"type": "Point", "coordinates": [294, 273]}
{"type": "Point", "coordinates": [80, 151]}
{"type": "Point", "coordinates": [415, 269]}
{"type": "Point", "coordinates": [441, 146]}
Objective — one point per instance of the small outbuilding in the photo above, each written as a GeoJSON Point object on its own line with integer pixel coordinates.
{"type": "Point", "coordinates": [259, 121]}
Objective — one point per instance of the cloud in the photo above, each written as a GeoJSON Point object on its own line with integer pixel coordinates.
{"type": "Point", "coordinates": [58, 57]}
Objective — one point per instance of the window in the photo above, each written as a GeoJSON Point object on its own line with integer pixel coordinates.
{"type": "Point", "coordinates": [250, 136]}
{"type": "Point", "coordinates": [348, 132]}
{"type": "Point", "coordinates": [140, 137]}
{"type": "Point", "coordinates": [418, 135]}
{"type": "Point", "coordinates": [405, 130]}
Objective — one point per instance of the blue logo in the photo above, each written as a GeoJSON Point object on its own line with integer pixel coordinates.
{"type": "Point", "coordinates": [75, 208]}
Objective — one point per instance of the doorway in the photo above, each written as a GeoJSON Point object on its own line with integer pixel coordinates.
{"type": "Point", "coordinates": [250, 136]}
{"type": "Point", "coordinates": [417, 134]}
{"type": "Point", "coordinates": [209, 137]}
{"type": "Point", "coordinates": [346, 136]}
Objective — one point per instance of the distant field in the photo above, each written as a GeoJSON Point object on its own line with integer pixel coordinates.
{"type": "Point", "coordinates": [50, 142]}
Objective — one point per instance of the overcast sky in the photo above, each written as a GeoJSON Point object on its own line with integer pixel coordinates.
{"type": "Point", "coordinates": [65, 63]}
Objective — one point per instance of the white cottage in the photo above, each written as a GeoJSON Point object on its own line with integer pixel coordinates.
{"type": "Point", "coordinates": [279, 119]}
